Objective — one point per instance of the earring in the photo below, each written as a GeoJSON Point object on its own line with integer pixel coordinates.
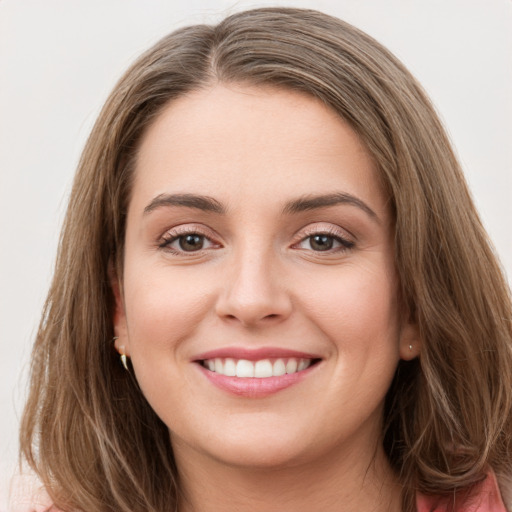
{"type": "Point", "coordinates": [122, 354]}
{"type": "Point", "coordinates": [410, 348]}
{"type": "Point", "coordinates": [123, 360]}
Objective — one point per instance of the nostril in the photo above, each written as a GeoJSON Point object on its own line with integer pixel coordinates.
{"type": "Point", "coordinates": [250, 307]}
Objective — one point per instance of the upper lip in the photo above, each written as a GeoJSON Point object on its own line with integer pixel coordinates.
{"type": "Point", "coordinates": [254, 354]}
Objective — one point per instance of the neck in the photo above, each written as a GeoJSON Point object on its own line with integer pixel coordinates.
{"type": "Point", "coordinates": [341, 484]}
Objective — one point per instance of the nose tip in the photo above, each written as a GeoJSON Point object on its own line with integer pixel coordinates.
{"type": "Point", "coordinates": [251, 315]}
{"type": "Point", "coordinates": [253, 296]}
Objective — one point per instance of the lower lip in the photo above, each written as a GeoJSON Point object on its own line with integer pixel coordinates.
{"type": "Point", "coordinates": [252, 387]}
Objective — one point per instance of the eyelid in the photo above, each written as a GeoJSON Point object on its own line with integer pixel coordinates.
{"type": "Point", "coordinates": [346, 238]}
{"type": "Point", "coordinates": [174, 233]}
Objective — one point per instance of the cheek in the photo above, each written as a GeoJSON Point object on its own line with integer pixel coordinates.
{"type": "Point", "coordinates": [353, 305]}
{"type": "Point", "coordinates": [163, 306]}
{"type": "Point", "coordinates": [164, 309]}
{"type": "Point", "coordinates": [357, 314]}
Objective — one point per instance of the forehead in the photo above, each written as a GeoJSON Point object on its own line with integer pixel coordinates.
{"type": "Point", "coordinates": [233, 142]}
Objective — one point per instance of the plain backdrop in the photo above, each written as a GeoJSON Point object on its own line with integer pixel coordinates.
{"type": "Point", "coordinates": [60, 58]}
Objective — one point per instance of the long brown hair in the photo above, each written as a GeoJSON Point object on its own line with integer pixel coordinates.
{"type": "Point", "coordinates": [88, 431]}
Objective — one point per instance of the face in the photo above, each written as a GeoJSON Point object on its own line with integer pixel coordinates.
{"type": "Point", "coordinates": [259, 295]}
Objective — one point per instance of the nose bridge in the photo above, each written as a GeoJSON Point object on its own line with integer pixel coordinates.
{"type": "Point", "coordinates": [254, 289]}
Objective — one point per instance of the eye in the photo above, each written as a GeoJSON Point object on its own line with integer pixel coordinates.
{"type": "Point", "coordinates": [325, 242]}
{"type": "Point", "coordinates": [321, 242]}
{"type": "Point", "coordinates": [192, 242]}
{"type": "Point", "coordinates": [186, 242]}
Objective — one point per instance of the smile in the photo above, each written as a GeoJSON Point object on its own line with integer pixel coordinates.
{"type": "Point", "coordinates": [261, 369]}
{"type": "Point", "coordinates": [256, 373]}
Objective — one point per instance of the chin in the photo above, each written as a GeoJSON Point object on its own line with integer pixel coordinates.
{"type": "Point", "coordinates": [250, 447]}
{"type": "Point", "coordinates": [260, 455]}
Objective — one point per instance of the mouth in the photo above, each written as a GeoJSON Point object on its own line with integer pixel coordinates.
{"type": "Point", "coordinates": [255, 373]}
{"type": "Point", "coordinates": [259, 369]}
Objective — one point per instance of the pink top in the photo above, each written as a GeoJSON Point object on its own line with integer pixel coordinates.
{"type": "Point", "coordinates": [485, 498]}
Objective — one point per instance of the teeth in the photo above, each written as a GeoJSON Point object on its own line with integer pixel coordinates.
{"type": "Point", "coordinates": [244, 368]}
{"type": "Point", "coordinates": [230, 367]}
{"type": "Point", "coordinates": [279, 368]}
{"type": "Point", "coordinates": [260, 369]}
{"type": "Point", "coordinates": [263, 369]}
{"type": "Point", "coordinates": [291, 366]}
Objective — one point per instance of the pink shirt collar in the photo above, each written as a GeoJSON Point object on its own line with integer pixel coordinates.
{"type": "Point", "coordinates": [485, 497]}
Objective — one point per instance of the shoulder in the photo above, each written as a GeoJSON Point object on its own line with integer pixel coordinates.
{"type": "Point", "coordinates": [28, 495]}
{"type": "Point", "coordinates": [485, 497]}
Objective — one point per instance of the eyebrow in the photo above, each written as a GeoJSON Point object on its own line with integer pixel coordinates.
{"type": "Point", "coordinates": [205, 203]}
{"type": "Point", "coordinates": [302, 204]}
{"type": "Point", "coordinates": [307, 202]}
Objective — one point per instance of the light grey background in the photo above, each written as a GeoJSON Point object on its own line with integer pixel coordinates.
{"type": "Point", "coordinates": [60, 58]}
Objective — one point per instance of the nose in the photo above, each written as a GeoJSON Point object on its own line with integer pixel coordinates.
{"type": "Point", "coordinates": [254, 292]}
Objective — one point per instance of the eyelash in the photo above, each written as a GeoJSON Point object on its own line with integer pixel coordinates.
{"type": "Point", "coordinates": [334, 234]}
{"type": "Point", "coordinates": [177, 234]}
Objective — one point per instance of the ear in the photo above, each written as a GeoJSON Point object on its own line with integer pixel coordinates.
{"type": "Point", "coordinates": [410, 342]}
{"type": "Point", "coordinates": [118, 315]}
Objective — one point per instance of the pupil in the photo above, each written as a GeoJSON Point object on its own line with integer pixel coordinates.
{"type": "Point", "coordinates": [191, 242]}
{"type": "Point", "coordinates": [321, 242]}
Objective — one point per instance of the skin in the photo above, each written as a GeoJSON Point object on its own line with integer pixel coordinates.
{"type": "Point", "coordinates": [259, 281]}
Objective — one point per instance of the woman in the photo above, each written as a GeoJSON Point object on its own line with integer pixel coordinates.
{"type": "Point", "coordinates": [273, 291]}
